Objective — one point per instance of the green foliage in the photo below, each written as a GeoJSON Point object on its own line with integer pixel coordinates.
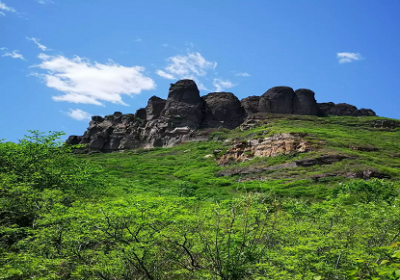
{"type": "Point", "coordinates": [163, 214]}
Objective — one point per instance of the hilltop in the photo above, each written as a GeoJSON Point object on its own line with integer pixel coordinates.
{"type": "Point", "coordinates": [164, 123]}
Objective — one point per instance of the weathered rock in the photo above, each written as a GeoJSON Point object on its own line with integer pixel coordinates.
{"type": "Point", "coordinates": [304, 102]}
{"type": "Point", "coordinates": [222, 109]}
{"type": "Point", "coordinates": [164, 123]}
{"type": "Point", "coordinates": [364, 112]}
{"type": "Point", "coordinates": [184, 107]}
{"type": "Point", "coordinates": [250, 104]}
{"type": "Point", "coordinates": [342, 109]}
{"type": "Point", "coordinates": [278, 144]}
{"type": "Point", "coordinates": [385, 124]}
{"type": "Point", "coordinates": [97, 118]}
{"type": "Point", "coordinates": [141, 113]}
{"type": "Point", "coordinates": [73, 140]}
{"type": "Point", "coordinates": [278, 100]}
{"type": "Point", "coordinates": [154, 107]}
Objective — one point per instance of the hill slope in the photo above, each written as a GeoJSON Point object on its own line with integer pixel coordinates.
{"type": "Point", "coordinates": [282, 197]}
{"type": "Point", "coordinates": [352, 148]}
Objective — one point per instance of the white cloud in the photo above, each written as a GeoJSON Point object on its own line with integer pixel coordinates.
{"type": "Point", "coordinates": [40, 46]}
{"type": "Point", "coordinates": [14, 54]}
{"type": "Point", "coordinates": [4, 7]}
{"type": "Point", "coordinates": [220, 84]}
{"type": "Point", "coordinates": [161, 73]}
{"type": "Point", "coordinates": [138, 40]}
{"type": "Point", "coordinates": [44, 2]}
{"type": "Point", "coordinates": [201, 86]}
{"type": "Point", "coordinates": [186, 66]}
{"type": "Point", "coordinates": [79, 115]}
{"type": "Point", "coordinates": [348, 57]}
{"type": "Point", "coordinates": [243, 74]}
{"type": "Point", "coordinates": [84, 82]}
{"type": "Point", "coordinates": [2, 14]}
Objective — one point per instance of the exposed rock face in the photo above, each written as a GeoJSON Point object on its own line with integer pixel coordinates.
{"type": "Point", "coordinates": [278, 144]}
{"type": "Point", "coordinates": [385, 124]}
{"type": "Point", "coordinates": [141, 113]}
{"type": "Point", "coordinates": [222, 109]}
{"type": "Point", "coordinates": [184, 105]}
{"type": "Point", "coordinates": [154, 108]}
{"type": "Point", "coordinates": [343, 109]}
{"type": "Point", "coordinates": [168, 122]}
{"type": "Point", "coordinates": [304, 102]}
{"type": "Point", "coordinates": [250, 104]}
{"type": "Point", "coordinates": [278, 100]}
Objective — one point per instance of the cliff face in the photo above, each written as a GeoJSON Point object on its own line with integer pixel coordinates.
{"type": "Point", "coordinates": [168, 122]}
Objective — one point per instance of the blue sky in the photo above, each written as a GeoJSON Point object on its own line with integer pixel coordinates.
{"type": "Point", "coordinates": [64, 60]}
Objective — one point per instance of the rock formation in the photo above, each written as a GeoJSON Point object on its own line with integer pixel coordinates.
{"type": "Point", "coordinates": [184, 105]}
{"type": "Point", "coordinates": [222, 109]}
{"type": "Point", "coordinates": [278, 100]}
{"type": "Point", "coordinates": [185, 115]}
{"type": "Point", "coordinates": [343, 109]}
{"type": "Point", "coordinates": [304, 102]}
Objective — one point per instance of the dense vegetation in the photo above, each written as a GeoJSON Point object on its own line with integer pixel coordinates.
{"type": "Point", "coordinates": [164, 214]}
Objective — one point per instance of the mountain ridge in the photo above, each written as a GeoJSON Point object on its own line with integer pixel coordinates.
{"type": "Point", "coordinates": [166, 122]}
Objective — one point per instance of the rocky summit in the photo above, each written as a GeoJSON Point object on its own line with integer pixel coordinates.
{"type": "Point", "coordinates": [185, 115]}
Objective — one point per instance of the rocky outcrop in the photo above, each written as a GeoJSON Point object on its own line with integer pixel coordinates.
{"type": "Point", "coordinates": [304, 102]}
{"type": "Point", "coordinates": [250, 104]}
{"type": "Point", "coordinates": [278, 100]}
{"type": "Point", "coordinates": [168, 122]}
{"type": "Point", "coordinates": [184, 107]}
{"type": "Point", "coordinates": [278, 144]}
{"type": "Point", "coordinates": [222, 109]}
{"type": "Point", "coordinates": [343, 109]}
{"type": "Point", "coordinates": [154, 107]}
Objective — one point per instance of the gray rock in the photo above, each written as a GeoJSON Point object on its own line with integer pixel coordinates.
{"type": "Point", "coordinates": [277, 100]}
{"type": "Point", "coordinates": [164, 123]}
{"type": "Point", "coordinates": [73, 140]}
{"type": "Point", "coordinates": [154, 107]}
{"type": "Point", "coordinates": [250, 104]}
{"type": "Point", "coordinates": [184, 107]}
{"type": "Point", "coordinates": [343, 109]}
{"type": "Point", "coordinates": [222, 109]}
{"type": "Point", "coordinates": [141, 113]}
{"type": "Point", "coordinates": [97, 118]}
{"type": "Point", "coordinates": [304, 102]}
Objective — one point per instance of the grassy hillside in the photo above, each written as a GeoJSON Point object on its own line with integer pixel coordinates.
{"type": "Point", "coordinates": [183, 169]}
{"type": "Point", "coordinates": [176, 213]}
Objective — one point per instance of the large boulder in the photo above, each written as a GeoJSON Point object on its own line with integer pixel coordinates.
{"type": "Point", "coordinates": [277, 100]}
{"type": "Point", "coordinates": [222, 109]}
{"type": "Point", "coordinates": [250, 104]}
{"type": "Point", "coordinates": [184, 105]}
{"type": "Point", "coordinates": [304, 102]}
{"type": "Point", "coordinates": [154, 107]}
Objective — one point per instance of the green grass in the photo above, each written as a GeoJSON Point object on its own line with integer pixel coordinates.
{"type": "Point", "coordinates": [182, 170]}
